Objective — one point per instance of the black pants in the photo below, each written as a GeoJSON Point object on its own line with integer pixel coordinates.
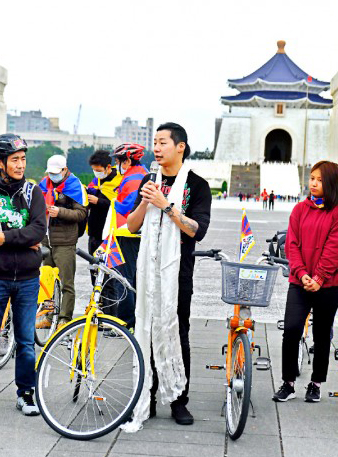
{"type": "Point", "coordinates": [108, 293]}
{"type": "Point", "coordinates": [183, 311]}
{"type": "Point", "coordinates": [271, 204]}
{"type": "Point", "coordinates": [324, 304]}
{"type": "Point", "coordinates": [126, 307]}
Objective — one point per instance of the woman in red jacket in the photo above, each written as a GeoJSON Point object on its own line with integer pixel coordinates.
{"type": "Point", "coordinates": [312, 250]}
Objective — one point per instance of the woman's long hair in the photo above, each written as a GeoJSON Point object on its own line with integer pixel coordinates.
{"type": "Point", "coordinates": [329, 172]}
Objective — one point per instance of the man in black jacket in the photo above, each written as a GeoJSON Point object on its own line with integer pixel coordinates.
{"type": "Point", "coordinates": [22, 228]}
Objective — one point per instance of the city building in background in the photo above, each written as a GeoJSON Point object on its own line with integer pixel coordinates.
{"type": "Point", "coordinates": [36, 130]}
{"type": "Point", "coordinates": [3, 83]}
{"type": "Point", "coordinates": [31, 121]}
{"type": "Point", "coordinates": [131, 132]}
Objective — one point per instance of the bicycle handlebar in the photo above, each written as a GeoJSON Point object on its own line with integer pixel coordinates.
{"type": "Point", "coordinates": [92, 260]}
{"type": "Point", "coordinates": [111, 272]}
{"type": "Point", "coordinates": [275, 259]}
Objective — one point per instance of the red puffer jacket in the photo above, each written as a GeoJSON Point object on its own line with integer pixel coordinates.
{"type": "Point", "coordinates": [312, 244]}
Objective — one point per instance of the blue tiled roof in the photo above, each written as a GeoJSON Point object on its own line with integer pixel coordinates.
{"type": "Point", "coordinates": [280, 69]}
{"type": "Point", "coordinates": [277, 95]}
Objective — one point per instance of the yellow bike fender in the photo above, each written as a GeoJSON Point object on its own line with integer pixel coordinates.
{"type": "Point", "coordinates": [239, 329]}
{"type": "Point", "coordinates": [48, 276]}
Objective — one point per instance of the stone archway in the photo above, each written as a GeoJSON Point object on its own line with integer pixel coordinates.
{"type": "Point", "coordinates": [278, 146]}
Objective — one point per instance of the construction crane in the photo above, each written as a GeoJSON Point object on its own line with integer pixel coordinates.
{"type": "Point", "coordinates": [76, 126]}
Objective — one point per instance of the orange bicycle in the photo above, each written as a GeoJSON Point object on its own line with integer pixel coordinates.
{"type": "Point", "coordinates": [243, 285]}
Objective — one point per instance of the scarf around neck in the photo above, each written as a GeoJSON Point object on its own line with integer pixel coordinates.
{"type": "Point", "coordinates": [318, 201]}
{"type": "Point", "coordinates": [157, 328]}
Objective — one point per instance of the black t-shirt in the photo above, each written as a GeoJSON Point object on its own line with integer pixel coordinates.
{"type": "Point", "coordinates": [196, 205]}
{"type": "Point", "coordinates": [98, 213]}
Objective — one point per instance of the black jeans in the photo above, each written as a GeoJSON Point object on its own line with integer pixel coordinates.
{"type": "Point", "coordinates": [183, 311]}
{"type": "Point", "coordinates": [324, 304]}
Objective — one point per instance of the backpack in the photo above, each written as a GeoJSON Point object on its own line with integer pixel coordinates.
{"type": "Point", "coordinates": [27, 191]}
{"type": "Point", "coordinates": [82, 225]}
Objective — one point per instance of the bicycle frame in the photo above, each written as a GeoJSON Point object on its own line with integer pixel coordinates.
{"type": "Point", "coordinates": [88, 340]}
{"type": "Point", "coordinates": [234, 329]}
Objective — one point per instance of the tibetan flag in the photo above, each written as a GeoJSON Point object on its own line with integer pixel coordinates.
{"type": "Point", "coordinates": [71, 187]}
{"type": "Point", "coordinates": [247, 239]}
{"type": "Point", "coordinates": [107, 188]}
{"type": "Point", "coordinates": [114, 256]}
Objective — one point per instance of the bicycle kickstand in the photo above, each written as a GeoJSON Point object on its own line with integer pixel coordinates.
{"type": "Point", "coordinates": [253, 409]}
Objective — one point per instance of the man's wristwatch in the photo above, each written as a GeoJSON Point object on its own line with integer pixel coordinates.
{"type": "Point", "coordinates": [168, 208]}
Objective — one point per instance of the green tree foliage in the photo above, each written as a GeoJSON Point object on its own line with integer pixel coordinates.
{"type": "Point", "coordinates": [37, 157]}
{"type": "Point", "coordinates": [77, 160]}
{"type": "Point", "coordinates": [224, 186]}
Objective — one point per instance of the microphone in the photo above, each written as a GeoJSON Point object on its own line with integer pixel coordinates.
{"type": "Point", "coordinates": [153, 170]}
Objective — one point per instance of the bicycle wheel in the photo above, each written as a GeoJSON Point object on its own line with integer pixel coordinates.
{"type": "Point", "coordinates": [47, 316]}
{"type": "Point", "coordinates": [300, 356]}
{"type": "Point", "coordinates": [239, 390]}
{"type": "Point", "coordinates": [82, 407]}
{"type": "Point", "coordinates": [7, 341]}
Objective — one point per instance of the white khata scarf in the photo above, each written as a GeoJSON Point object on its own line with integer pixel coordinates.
{"type": "Point", "coordinates": [158, 266]}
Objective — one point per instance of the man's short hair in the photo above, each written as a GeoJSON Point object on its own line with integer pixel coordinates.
{"type": "Point", "coordinates": [100, 157]}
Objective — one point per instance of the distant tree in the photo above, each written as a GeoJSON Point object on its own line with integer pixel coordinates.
{"type": "Point", "coordinates": [224, 186]}
{"type": "Point", "coordinates": [147, 158]}
{"type": "Point", "coordinates": [202, 155]}
{"type": "Point", "coordinates": [37, 157]}
{"type": "Point", "coordinates": [77, 160]}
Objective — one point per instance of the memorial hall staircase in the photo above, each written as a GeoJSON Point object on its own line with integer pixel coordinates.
{"type": "Point", "coordinates": [245, 179]}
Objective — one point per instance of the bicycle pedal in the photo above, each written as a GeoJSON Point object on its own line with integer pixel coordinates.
{"type": "Point", "coordinates": [215, 367]}
{"type": "Point", "coordinates": [333, 394]}
{"type": "Point", "coordinates": [224, 349]}
{"type": "Point", "coordinates": [263, 363]}
{"type": "Point", "coordinates": [280, 324]}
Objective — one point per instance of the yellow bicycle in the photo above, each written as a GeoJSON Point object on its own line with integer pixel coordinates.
{"type": "Point", "coordinates": [48, 309]}
{"type": "Point", "coordinates": [90, 373]}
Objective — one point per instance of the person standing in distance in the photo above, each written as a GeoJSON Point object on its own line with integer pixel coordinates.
{"type": "Point", "coordinates": [22, 228]}
{"type": "Point", "coordinates": [174, 213]}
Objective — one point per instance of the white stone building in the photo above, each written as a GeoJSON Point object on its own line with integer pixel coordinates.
{"type": "Point", "coordinates": [277, 116]}
{"type": "Point", "coordinates": [3, 83]}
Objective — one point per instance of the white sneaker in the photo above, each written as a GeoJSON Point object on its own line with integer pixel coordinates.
{"type": "Point", "coordinates": [3, 345]}
{"type": "Point", "coordinates": [26, 404]}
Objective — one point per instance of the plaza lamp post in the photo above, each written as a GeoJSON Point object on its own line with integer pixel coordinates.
{"type": "Point", "coordinates": [309, 79]}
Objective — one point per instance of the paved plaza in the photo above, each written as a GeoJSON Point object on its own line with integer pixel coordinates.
{"type": "Point", "coordinates": [282, 430]}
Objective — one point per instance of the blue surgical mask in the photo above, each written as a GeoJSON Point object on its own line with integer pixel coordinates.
{"type": "Point", "coordinates": [100, 174]}
{"type": "Point", "coordinates": [55, 177]}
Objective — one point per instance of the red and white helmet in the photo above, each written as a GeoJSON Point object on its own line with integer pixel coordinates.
{"type": "Point", "coordinates": [128, 151]}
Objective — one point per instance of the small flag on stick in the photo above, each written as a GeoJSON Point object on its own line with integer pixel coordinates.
{"type": "Point", "coordinates": [112, 251]}
{"type": "Point", "coordinates": [247, 239]}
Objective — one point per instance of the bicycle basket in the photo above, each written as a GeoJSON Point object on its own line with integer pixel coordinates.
{"type": "Point", "coordinates": [247, 284]}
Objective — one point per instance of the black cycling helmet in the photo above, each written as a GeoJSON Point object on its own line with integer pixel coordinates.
{"type": "Point", "coordinates": [10, 143]}
{"type": "Point", "coordinates": [128, 151]}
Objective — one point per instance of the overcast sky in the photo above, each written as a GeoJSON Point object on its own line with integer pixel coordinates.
{"type": "Point", "coordinates": [148, 58]}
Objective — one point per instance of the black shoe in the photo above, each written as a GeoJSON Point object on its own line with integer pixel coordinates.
{"type": "Point", "coordinates": [152, 408]}
{"type": "Point", "coordinates": [181, 415]}
{"type": "Point", "coordinates": [312, 393]}
{"type": "Point", "coordinates": [312, 349]}
{"type": "Point", "coordinates": [286, 392]}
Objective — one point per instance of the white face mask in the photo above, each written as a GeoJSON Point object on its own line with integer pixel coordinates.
{"type": "Point", "coordinates": [121, 170]}
{"type": "Point", "coordinates": [55, 177]}
{"type": "Point", "coordinates": [100, 174]}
